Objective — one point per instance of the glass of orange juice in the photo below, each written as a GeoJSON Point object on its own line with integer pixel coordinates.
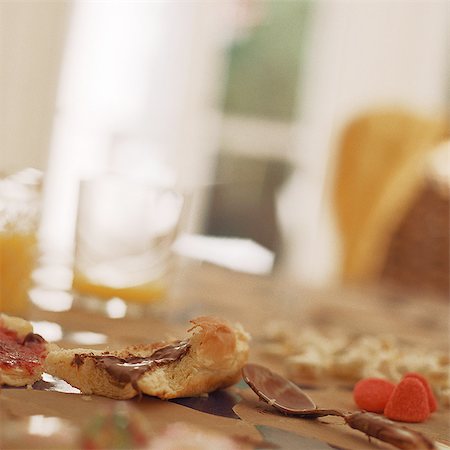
{"type": "Point", "coordinates": [124, 234]}
{"type": "Point", "coordinates": [20, 202]}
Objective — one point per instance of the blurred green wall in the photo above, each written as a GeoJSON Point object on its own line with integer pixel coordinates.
{"type": "Point", "coordinates": [264, 67]}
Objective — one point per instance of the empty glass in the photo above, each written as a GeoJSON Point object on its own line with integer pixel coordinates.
{"type": "Point", "coordinates": [124, 235]}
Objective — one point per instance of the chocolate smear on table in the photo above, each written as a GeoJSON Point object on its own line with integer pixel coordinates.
{"type": "Point", "coordinates": [130, 369]}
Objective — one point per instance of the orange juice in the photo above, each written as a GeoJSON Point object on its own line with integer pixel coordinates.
{"type": "Point", "coordinates": [20, 195]}
{"type": "Point", "coordinates": [150, 292]}
{"type": "Point", "coordinates": [17, 260]}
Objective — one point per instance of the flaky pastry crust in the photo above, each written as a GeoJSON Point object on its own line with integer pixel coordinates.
{"type": "Point", "coordinates": [214, 355]}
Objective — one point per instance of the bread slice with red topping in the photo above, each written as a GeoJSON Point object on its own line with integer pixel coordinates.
{"type": "Point", "coordinates": [210, 358]}
{"type": "Point", "coordinates": [22, 352]}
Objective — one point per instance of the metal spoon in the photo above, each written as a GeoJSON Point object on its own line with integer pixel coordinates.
{"type": "Point", "coordinates": [288, 398]}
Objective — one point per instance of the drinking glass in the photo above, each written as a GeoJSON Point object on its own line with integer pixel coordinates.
{"type": "Point", "coordinates": [124, 235]}
{"type": "Point", "coordinates": [20, 205]}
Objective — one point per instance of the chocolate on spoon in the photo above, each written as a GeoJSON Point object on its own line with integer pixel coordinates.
{"type": "Point", "coordinates": [282, 394]}
{"type": "Point", "coordinates": [288, 398]}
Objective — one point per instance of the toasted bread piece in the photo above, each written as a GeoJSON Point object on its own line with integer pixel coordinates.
{"type": "Point", "coordinates": [22, 353]}
{"type": "Point", "coordinates": [209, 359]}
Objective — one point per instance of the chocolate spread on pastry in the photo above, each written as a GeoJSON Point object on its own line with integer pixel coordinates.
{"type": "Point", "coordinates": [33, 338]}
{"type": "Point", "coordinates": [130, 369]}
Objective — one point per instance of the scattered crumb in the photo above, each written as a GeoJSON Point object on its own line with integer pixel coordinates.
{"type": "Point", "coordinates": [313, 355]}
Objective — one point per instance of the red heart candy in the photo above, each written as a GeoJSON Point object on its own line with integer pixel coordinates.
{"type": "Point", "coordinates": [432, 402]}
{"type": "Point", "coordinates": [372, 394]}
{"type": "Point", "coordinates": [408, 402]}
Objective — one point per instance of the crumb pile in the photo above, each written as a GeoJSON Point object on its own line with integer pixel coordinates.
{"type": "Point", "coordinates": [310, 354]}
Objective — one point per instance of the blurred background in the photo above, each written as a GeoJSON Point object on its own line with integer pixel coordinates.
{"type": "Point", "coordinates": [316, 129]}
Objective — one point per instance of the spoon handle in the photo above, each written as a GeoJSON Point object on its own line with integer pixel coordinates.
{"type": "Point", "coordinates": [312, 413]}
{"type": "Point", "coordinates": [385, 430]}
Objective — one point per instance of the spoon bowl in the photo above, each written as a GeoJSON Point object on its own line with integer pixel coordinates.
{"type": "Point", "coordinates": [282, 394]}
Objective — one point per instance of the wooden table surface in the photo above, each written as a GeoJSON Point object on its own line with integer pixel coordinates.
{"type": "Point", "coordinates": [256, 302]}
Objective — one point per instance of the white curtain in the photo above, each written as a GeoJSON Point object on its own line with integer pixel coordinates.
{"type": "Point", "coordinates": [139, 93]}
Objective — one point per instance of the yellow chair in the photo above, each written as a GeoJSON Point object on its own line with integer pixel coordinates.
{"type": "Point", "coordinates": [379, 172]}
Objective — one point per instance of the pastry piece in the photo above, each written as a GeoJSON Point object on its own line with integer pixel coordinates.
{"type": "Point", "coordinates": [211, 358]}
{"type": "Point", "coordinates": [22, 353]}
